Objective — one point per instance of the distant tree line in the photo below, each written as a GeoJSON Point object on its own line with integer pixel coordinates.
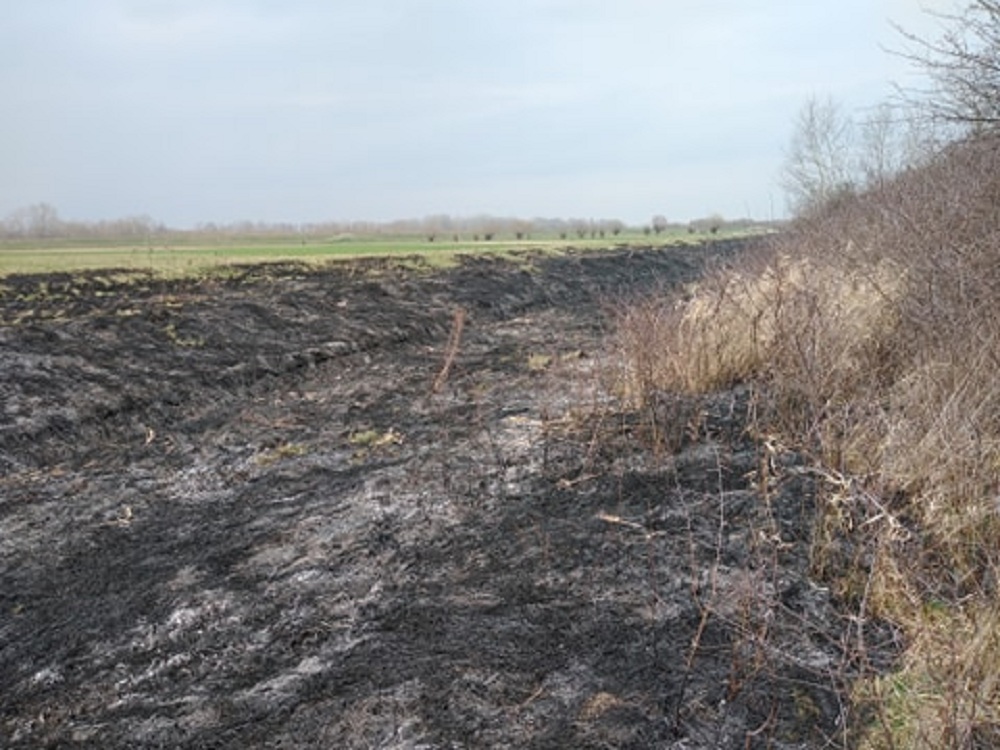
{"type": "Point", "coordinates": [42, 221]}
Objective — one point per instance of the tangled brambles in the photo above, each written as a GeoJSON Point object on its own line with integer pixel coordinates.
{"type": "Point", "coordinates": [871, 330]}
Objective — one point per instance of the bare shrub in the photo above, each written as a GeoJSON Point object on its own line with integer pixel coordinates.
{"type": "Point", "coordinates": [872, 326]}
{"type": "Point", "coordinates": [925, 433]}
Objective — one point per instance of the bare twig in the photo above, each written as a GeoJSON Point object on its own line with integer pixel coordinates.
{"type": "Point", "coordinates": [454, 340]}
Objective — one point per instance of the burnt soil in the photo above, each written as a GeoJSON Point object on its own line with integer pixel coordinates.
{"type": "Point", "coordinates": [270, 509]}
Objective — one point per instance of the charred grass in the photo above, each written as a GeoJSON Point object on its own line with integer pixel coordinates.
{"type": "Point", "coordinates": [373, 506]}
{"type": "Point", "coordinates": [870, 335]}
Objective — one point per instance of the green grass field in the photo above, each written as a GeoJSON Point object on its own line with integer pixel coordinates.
{"type": "Point", "coordinates": [186, 256]}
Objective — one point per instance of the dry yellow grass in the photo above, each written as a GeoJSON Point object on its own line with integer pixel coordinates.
{"type": "Point", "coordinates": [815, 323]}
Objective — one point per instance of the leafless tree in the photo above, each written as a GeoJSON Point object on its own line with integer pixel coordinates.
{"type": "Point", "coordinates": [963, 66]}
{"type": "Point", "coordinates": [818, 165]}
{"type": "Point", "coordinates": [39, 220]}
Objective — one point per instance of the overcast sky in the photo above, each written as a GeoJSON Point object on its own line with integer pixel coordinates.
{"type": "Point", "coordinates": [307, 110]}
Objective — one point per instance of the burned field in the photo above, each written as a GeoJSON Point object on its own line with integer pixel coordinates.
{"type": "Point", "coordinates": [374, 505]}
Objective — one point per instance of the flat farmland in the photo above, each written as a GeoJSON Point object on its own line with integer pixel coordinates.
{"type": "Point", "coordinates": [186, 255]}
